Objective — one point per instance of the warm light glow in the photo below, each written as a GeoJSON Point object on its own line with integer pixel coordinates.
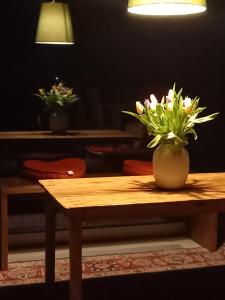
{"type": "Point", "coordinates": [166, 7]}
{"type": "Point", "coordinates": [54, 25]}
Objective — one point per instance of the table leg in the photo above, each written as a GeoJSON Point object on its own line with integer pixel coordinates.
{"type": "Point", "coordinates": [75, 248]}
{"type": "Point", "coordinates": [203, 230]}
{"type": "Point", "coordinates": [4, 231]}
{"type": "Point", "coordinates": [50, 243]}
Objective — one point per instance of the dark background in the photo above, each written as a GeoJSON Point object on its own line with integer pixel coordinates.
{"type": "Point", "coordinates": [118, 58]}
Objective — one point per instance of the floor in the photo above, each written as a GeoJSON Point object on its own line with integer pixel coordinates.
{"type": "Point", "coordinates": [119, 247]}
{"type": "Point", "coordinates": [141, 267]}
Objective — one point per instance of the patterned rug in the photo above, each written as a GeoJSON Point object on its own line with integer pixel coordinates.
{"type": "Point", "coordinates": [115, 265]}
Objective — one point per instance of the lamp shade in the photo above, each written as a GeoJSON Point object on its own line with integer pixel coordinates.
{"type": "Point", "coordinates": [166, 7]}
{"type": "Point", "coordinates": [54, 24]}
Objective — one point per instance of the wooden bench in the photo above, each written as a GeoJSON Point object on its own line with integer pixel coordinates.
{"type": "Point", "coordinates": [11, 186]}
{"type": "Point", "coordinates": [19, 186]}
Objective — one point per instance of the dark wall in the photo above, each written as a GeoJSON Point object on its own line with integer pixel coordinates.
{"type": "Point", "coordinates": [121, 56]}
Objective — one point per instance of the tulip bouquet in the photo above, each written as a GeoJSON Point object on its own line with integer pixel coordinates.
{"type": "Point", "coordinates": [172, 119]}
{"type": "Point", "coordinates": [58, 96]}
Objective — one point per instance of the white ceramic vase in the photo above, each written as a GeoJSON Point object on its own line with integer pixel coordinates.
{"type": "Point", "coordinates": [170, 166]}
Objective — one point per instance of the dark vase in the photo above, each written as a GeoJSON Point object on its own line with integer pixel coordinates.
{"type": "Point", "coordinates": [58, 121]}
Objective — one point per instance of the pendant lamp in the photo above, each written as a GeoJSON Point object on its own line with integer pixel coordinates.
{"type": "Point", "coordinates": [54, 24]}
{"type": "Point", "coordinates": [166, 7]}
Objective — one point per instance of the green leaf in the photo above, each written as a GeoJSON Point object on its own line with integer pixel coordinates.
{"type": "Point", "coordinates": [141, 118]}
{"type": "Point", "coordinates": [155, 141]}
{"type": "Point", "coordinates": [192, 131]}
{"type": "Point", "coordinates": [172, 135]}
{"type": "Point", "coordinates": [206, 119]}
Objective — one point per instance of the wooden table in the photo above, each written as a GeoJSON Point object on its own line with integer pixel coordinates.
{"type": "Point", "coordinates": [203, 197]}
{"type": "Point", "coordinates": [17, 144]}
{"type": "Point", "coordinates": [78, 135]}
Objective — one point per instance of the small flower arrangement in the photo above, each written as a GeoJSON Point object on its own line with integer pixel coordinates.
{"type": "Point", "coordinates": [172, 119]}
{"type": "Point", "coordinates": [59, 96]}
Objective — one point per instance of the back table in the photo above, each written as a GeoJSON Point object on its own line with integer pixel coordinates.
{"type": "Point", "coordinates": [203, 197]}
{"type": "Point", "coordinates": [76, 135]}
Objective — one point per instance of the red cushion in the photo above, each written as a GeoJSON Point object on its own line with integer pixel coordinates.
{"type": "Point", "coordinates": [137, 167]}
{"type": "Point", "coordinates": [63, 168]}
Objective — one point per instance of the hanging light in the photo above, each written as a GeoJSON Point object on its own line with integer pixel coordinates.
{"type": "Point", "coordinates": [166, 7]}
{"type": "Point", "coordinates": [54, 24]}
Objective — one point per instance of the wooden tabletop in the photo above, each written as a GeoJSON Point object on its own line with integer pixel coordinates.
{"type": "Point", "coordinates": [70, 134]}
{"type": "Point", "coordinates": [131, 190]}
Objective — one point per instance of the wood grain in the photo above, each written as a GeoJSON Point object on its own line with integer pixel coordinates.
{"type": "Point", "coordinates": [11, 186]}
{"type": "Point", "coordinates": [70, 134]}
{"type": "Point", "coordinates": [75, 247]}
{"type": "Point", "coordinates": [3, 231]}
{"type": "Point", "coordinates": [123, 196]}
{"type": "Point", "coordinates": [203, 230]}
{"type": "Point", "coordinates": [135, 190]}
{"type": "Point", "coordinates": [50, 243]}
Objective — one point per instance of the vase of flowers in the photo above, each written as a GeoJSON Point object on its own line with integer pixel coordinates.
{"type": "Point", "coordinates": [170, 122]}
{"type": "Point", "coordinates": [170, 165]}
{"type": "Point", "coordinates": [57, 100]}
{"type": "Point", "coordinates": [58, 121]}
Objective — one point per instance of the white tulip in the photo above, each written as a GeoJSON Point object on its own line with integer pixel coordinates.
{"type": "Point", "coordinates": [187, 102]}
{"type": "Point", "coordinates": [139, 107]}
{"type": "Point", "coordinates": [153, 102]}
{"type": "Point", "coordinates": [170, 95]}
{"type": "Point", "coordinates": [147, 103]}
